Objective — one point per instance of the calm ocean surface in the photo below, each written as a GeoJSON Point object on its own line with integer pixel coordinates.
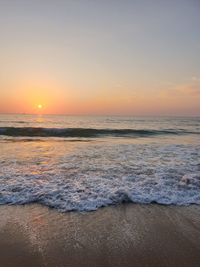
{"type": "Point", "coordinates": [83, 163]}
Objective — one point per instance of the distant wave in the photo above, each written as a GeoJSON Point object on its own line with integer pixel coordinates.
{"type": "Point", "coordinates": [88, 132]}
{"type": "Point", "coordinates": [13, 121]}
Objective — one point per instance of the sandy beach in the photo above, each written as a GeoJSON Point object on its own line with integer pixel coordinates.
{"type": "Point", "coordinates": [126, 235]}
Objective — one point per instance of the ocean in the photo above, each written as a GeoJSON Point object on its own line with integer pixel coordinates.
{"type": "Point", "coordinates": [82, 163]}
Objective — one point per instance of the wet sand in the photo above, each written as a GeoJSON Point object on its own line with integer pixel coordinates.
{"type": "Point", "coordinates": [126, 235]}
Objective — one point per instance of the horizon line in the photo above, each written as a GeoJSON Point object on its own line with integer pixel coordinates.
{"type": "Point", "coordinates": [95, 115]}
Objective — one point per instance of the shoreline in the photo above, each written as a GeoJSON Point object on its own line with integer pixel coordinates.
{"type": "Point", "coordinates": [123, 235]}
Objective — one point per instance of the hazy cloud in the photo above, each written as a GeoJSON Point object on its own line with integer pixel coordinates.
{"type": "Point", "coordinates": [190, 89]}
{"type": "Point", "coordinates": [196, 78]}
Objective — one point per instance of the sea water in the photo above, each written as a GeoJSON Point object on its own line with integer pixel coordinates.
{"type": "Point", "coordinates": [83, 163]}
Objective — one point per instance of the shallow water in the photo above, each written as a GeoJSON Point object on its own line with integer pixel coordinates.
{"type": "Point", "coordinates": [106, 161]}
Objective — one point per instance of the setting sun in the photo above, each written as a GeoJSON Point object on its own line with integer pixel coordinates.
{"type": "Point", "coordinates": [39, 106]}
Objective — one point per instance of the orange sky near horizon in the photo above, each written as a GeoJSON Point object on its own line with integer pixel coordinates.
{"type": "Point", "coordinates": [100, 57]}
{"type": "Point", "coordinates": [178, 100]}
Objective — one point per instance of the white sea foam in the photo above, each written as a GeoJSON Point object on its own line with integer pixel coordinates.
{"type": "Point", "coordinates": [87, 177]}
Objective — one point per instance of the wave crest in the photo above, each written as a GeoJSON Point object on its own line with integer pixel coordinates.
{"type": "Point", "coordinates": [87, 132]}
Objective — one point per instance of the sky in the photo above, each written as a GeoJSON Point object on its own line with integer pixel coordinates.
{"type": "Point", "coordinates": [108, 57]}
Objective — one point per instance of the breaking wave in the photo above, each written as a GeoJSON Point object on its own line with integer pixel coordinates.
{"type": "Point", "coordinates": [88, 132]}
{"type": "Point", "coordinates": [95, 176]}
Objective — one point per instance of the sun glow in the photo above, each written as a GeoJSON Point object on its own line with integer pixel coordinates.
{"type": "Point", "coordinates": [39, 106]}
